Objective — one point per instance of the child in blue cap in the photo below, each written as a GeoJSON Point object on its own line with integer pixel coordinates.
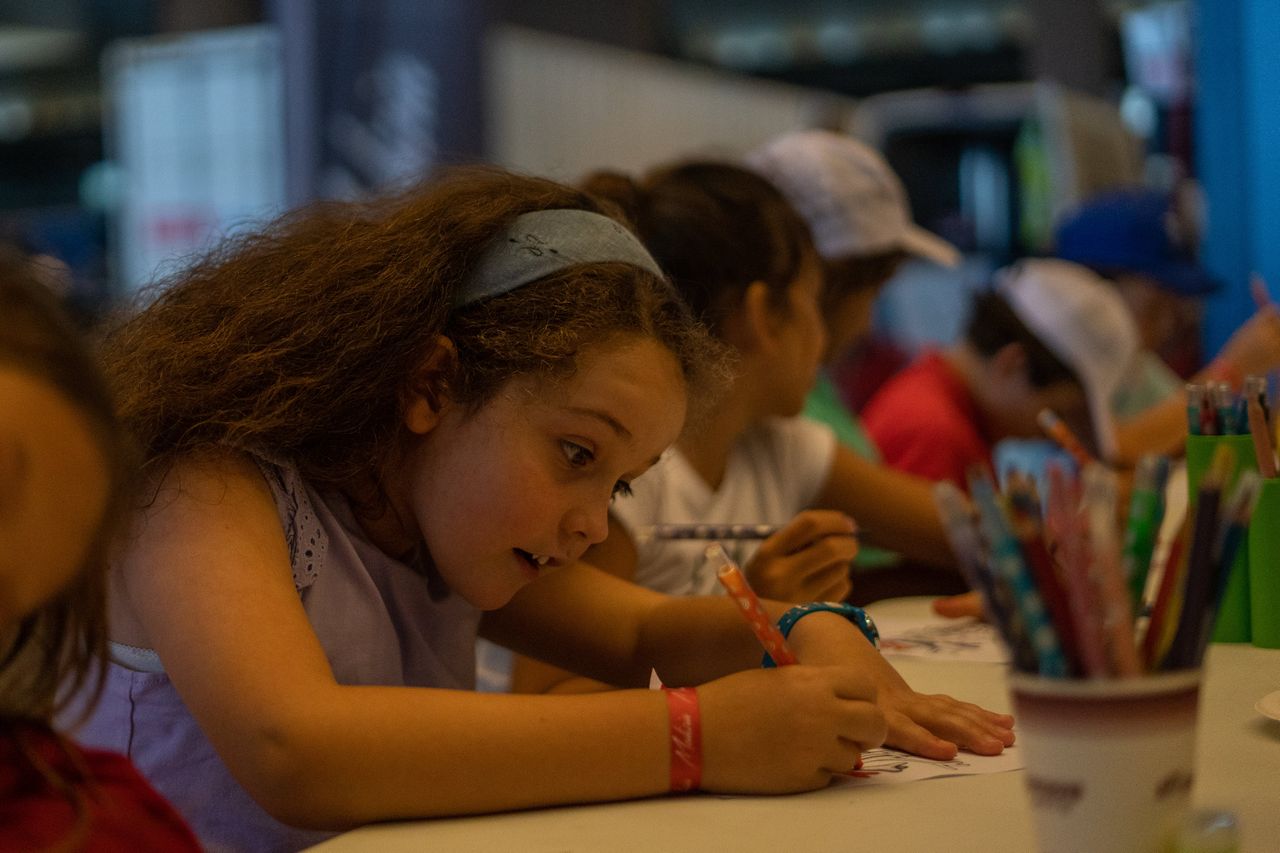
{"type": "Point", "coordinates": [1144, 242]}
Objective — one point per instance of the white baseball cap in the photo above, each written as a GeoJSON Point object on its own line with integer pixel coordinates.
{"type": "Point", "coordinates": [847, 193]}
{"type": "Point", "coordinates": [1084, 322]}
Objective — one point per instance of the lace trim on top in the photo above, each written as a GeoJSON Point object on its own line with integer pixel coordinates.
{"type": "Point", "coordinates": [308, 543]}
{"type": "Point", "coordinates": [135, 658]}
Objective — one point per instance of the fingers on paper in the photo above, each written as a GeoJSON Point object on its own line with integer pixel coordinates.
{"type": "Point", "coordinates": [961, 724]}
{"type": "Point", "coordinates": [909, 736]}
{"type": "Point", "coordinates": [965, 605]}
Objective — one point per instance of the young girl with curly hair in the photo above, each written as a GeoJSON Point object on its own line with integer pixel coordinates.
{"type": "Point", "coordinates": [375, 430]}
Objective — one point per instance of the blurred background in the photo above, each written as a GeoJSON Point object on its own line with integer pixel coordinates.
{"type": "Point", "coordinates": [134, 133]}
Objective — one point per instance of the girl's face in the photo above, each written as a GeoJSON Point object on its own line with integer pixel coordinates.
{"type": "Point", "coordinates": [848, 321]}
{"type": "Point", "coordinates": [803, 340]}
{"type": "Point", "coordinates": [53, 492]}
{"type": "Point", "coordinates": [524, 484]}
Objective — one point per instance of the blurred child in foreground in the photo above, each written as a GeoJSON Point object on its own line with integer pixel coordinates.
{"type": "Point", "coordinates": [64, 467]}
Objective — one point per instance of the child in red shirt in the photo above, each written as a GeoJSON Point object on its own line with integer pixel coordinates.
{"type": "Point", "coordinates": [1050, 335]}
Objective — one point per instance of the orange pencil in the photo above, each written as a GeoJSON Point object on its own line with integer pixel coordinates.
{"type": "Point", "coordinates": [1261, 439]}
{"type": "Point", "coordinates": [1057, 430]}
{"type": "Point", "coordinates": [1166, 608]}
{"type": "Point", "coordinates": [745, 597]}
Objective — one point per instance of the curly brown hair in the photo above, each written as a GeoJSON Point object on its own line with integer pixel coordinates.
{"type": "Point", "coordinates": [299, 340]}
{"type": "Point", "coordinates": [60, 648]}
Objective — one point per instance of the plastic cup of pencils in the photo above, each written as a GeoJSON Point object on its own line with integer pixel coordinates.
{"type": "Point", "coordinates": [1109, 763]}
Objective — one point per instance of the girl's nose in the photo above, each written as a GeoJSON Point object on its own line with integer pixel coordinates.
{"type": "Point", "coordinates": [589, 522]}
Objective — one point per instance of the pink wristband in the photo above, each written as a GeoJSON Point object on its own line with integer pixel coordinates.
{"type": "Point", "coordinates": [1223, 369]}
{"type": "Point", "coordinates": [686, 738]}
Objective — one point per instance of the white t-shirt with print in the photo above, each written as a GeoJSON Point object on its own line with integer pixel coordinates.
{"type": "Point", "coordinates": [776, 469]}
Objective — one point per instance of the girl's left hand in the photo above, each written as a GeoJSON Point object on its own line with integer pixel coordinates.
{"type": "Point", "coordinates": [937, 726]}
{"type": "Point", "coordinates": [932, 726]}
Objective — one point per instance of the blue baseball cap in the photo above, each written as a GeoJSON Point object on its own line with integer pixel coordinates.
{"type": "Point", "coordinates": [1134, 230]}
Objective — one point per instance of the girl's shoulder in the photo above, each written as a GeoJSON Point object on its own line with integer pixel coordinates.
{"type": "Point", "coordinates": [208, 482]}
{"type": "Point", "coordinates": [230, 497]}
{"type": "Point", "coordinates": [191, 501]}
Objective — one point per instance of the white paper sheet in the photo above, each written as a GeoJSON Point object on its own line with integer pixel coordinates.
{"type": "Point", "coordinates": [886, 766]}
{"type": "Point", "coordinates": [960, 640]}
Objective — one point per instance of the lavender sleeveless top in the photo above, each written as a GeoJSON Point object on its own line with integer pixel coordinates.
{"type": "Point", "coordinates": [378, 626]}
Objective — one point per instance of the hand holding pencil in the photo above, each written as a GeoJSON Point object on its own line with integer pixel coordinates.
{"type": "Point", "coordinates": [807, 559]}
{"type": "Point", "coordinates": [861, 727]}
{"type": "Point", "coordinates": [929, 725]}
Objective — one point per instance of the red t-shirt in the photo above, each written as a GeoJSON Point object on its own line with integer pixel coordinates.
{"type": "Point", "coordinates": [119, 811]}
{"type": "Point", "coordinates": [924, 421]}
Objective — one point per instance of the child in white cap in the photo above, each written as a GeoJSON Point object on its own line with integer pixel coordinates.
{"type": "Point", "coordinates": [860, 219]}
{"type": "Point", "coordinates": [1050, 334]}
{"type": "Point", "coordinates": [858, 214]}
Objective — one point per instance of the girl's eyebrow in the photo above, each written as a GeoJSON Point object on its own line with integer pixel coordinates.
{"type": "Point", "coordinates": [614, 424]}
{"type": "Point", "coordinates": [604, 417]}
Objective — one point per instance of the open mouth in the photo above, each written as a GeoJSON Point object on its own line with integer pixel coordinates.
{"type": "Point", "coordinates": [535, 561]}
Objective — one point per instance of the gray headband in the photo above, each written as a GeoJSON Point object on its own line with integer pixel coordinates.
{"type": "Point", "coordinates": [538, 244]}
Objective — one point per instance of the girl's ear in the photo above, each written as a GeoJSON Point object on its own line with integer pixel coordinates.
{"type": "Point", "coordinates": [753, 326]}
{"type": "Point", "coordinates": [426, 395]}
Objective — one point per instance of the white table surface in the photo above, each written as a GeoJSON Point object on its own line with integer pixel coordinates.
{"type": "Point", "coordinates": [1238, 769]}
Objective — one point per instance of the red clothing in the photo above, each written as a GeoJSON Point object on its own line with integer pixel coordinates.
{"type": "Point", "coordinates": [925, 421]}
{"type": "Point", "coordinates": [119, 811]}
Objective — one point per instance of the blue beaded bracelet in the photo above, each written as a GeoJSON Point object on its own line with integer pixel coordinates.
{"type": "Point", "coordinates": [859, 617]}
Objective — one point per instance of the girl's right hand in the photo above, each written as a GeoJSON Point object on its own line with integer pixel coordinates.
{"type": "Point", "coordinates": [775, 731]}
{"type": "Point", "coordinates": [807, 560]}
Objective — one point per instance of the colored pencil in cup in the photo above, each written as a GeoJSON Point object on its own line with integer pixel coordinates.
{"type": "Point", "coordinates": [1025, 520]}
{"type": "Point", "coordinates": [753, 611]}
{"type": "Point", "coordinates": [1195, 399]}
{"type": "Point", "coordinates": [959, 521]}
{"type": "Point", "coordinates": [1070, 533]}
{"type": "Point", "coordinates": [1154, 634]}
{"type": "Point", "coordinates": [1117, 612]}
{"type": "Point", "coordinates": [1146, 512]}
{"type": "Point", "coordinates": [1199, 587]}
{"type": "Point", "coordinates": [1235, 524]}
{"type": "Point", "coordinates": [1007, 560]}
{"type": "Point", "coordinates": [1261, 439]}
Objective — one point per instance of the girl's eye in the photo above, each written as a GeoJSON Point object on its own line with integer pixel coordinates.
{"type": "Point", "coordinates": [621, 489]}
{"type": "Point", "coordinates": [577, 455]}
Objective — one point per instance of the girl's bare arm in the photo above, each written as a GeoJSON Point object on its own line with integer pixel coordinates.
{"type": "Point", "coordinates": [208, 576]}
{"type": "Point", "coordinates": [895, 509]}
